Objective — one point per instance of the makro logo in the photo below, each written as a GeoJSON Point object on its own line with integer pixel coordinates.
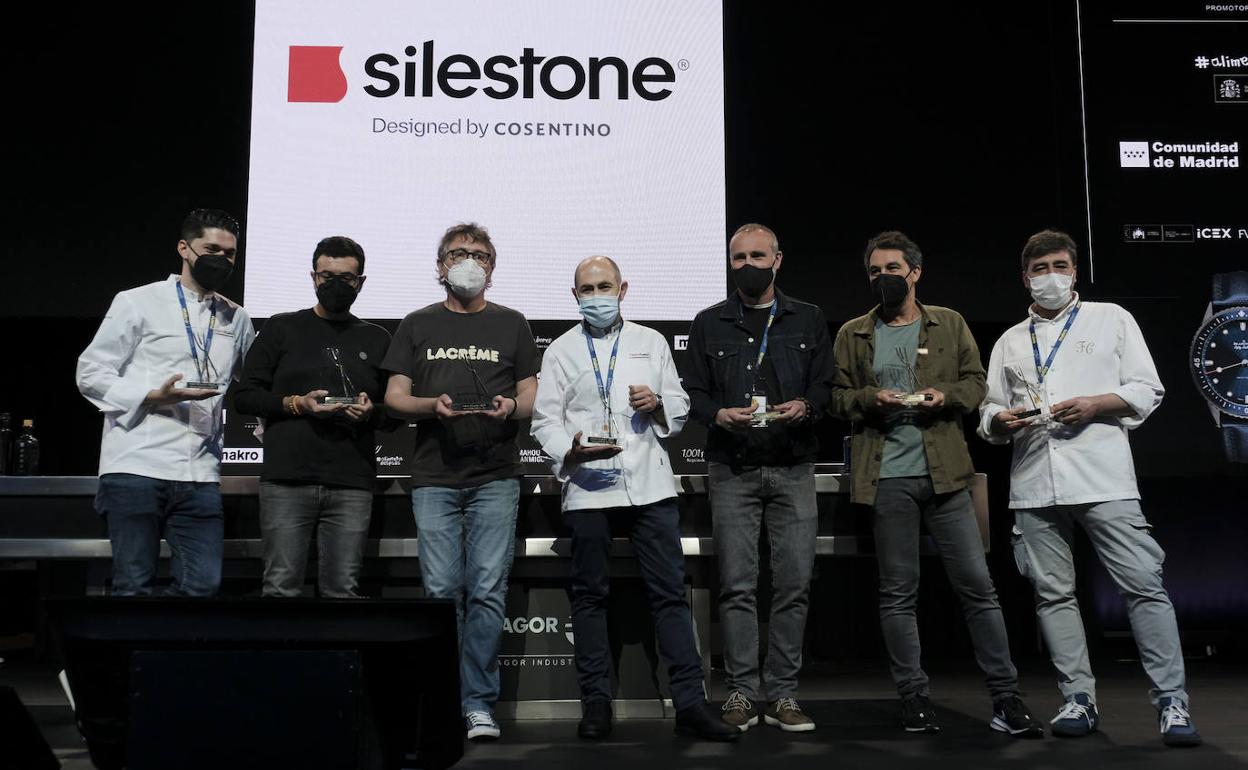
{"type": "Point", "coordinates": [680, 342]}
{"type": "Point", "coordinates": [1175, 155]}
{"type": "Point", "coordinates": [242, 455]}
{"type": "Point", "coordinates": [315, 75]}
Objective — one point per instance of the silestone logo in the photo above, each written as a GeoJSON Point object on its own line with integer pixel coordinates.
{"type": "Point", "coordinates": [316, 75]}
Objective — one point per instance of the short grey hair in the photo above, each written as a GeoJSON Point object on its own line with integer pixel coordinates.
{"type": "Point", "coordinates": [473, 232]}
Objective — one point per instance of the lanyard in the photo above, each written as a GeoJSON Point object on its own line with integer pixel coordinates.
{"type": "Point", "coordinates": [762, 346]}
{"type": "Point", "coordinates": [1035, 346]}
{"type": "Point", "coordinates": [190, 335]}
{"type": "Point", "coordinates": [604, 391]}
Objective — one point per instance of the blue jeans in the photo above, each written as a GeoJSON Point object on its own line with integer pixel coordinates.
{"type": "Point", "coordinates": [290, 513]}
{"type": "Point", "coordinates": [467, 538]}
{"type": "Point", "coordinates": [783, 499]}
{"type": "Point", "coordinates": [655, 534]}
{"type": "Point", "coordinates": [140, 510]}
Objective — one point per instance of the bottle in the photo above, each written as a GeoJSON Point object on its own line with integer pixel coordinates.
{"type": "Point", "coordinates": [26, 451]}
{"type": "Point", "coordinates": [6, 442]}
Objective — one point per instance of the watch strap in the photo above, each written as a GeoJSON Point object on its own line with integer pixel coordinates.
{"type": "Point", "coordinates": [1235, 442]}
{"type": "Point", "coordinates": [1230, 290]}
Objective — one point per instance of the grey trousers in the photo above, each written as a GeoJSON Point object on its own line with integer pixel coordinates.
{"type": "Point", "coordinates": [783, 498]}
{"type": "Point", "coordinates": [950, 518]}
{"type": "Point", "coordinates": [1121, 537]}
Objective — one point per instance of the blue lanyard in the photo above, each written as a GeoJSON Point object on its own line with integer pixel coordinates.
{"type": "Point", "coordinates": [604, 391]}
{"type": "Point", "coordinates": [1035, 345]}
{"type": "Point", "coordinates": [762, 346]}
{"type": "Point", "coordinates": [190, 335]}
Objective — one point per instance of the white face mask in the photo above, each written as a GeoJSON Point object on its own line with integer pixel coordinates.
{"type": "Point", "coordinates": [466, 279]}
{"type": "Point", "coordinates": [1051, 291]}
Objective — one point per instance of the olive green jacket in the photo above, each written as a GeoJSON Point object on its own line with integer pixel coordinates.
{"type": "Point", "coordinates": [950, 364]}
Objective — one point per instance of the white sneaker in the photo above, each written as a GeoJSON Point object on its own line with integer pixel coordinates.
{"type": "Point", "coordinates": [481, 726]}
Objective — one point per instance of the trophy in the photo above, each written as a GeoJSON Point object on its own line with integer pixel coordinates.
{"type": "Point", "coordinates": [1037, 399]}
{"type": "Point", "coordinates": [911, 380]}
{"type": "Point", "coordinates": [348, 389]}
{"type": "Point", "coordinates": [762, 415]}
{"type": "Point", "coordinates": [604, 431]}
{"type": "Point", "coordinates": [206, 375]}
{"type": "Point", "coordinates": [476, 400]}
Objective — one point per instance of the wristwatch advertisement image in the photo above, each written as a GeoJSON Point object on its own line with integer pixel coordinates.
{"type": "Point", "coordinates": [1219, 361]}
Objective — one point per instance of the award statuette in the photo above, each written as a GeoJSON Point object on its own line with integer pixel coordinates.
{"type": "Point", "coordinates": [476, 400]}
{"type": "Point", "coordinates": [348, 389]}
{"type": "Point", "coordinates": [1038, 409]}
{"type": "Point", "coordinates": [762, 415]}
{"type": "Point", "coordinates": [602, 432]}
{"type": "Point", "coordinates": [206, 374]}
{"type": "Point", "coordinates": [909, 397]}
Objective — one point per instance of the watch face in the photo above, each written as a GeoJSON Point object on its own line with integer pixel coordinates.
{"type": "Point", "coordinates": [1220, 361]}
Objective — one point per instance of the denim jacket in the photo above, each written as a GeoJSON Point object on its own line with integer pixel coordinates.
{"type": "Point", "coordinates": [720, 347]}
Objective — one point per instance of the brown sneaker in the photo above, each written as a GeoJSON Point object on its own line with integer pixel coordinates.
{"type": "Point", "coordinates": [739, 711]}
{"type": "Point", "coordinates": [788, 716]}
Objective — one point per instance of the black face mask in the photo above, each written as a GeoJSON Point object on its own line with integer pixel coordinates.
{"type": "Point", "coordinates": [753, 280]}
{"type": "Point", "coordinates": [889, 290]}
{"type": "Point", "coordinates": [211, 271]}
{"type": "Point", "coordinates": [336, 296]}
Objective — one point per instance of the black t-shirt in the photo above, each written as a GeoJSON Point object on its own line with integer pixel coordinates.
{"type": "Point", "coordinates": [292, 356]}
{"type": "Point", "coordinates": [770, 445]}
{"type": "Point", "coordinates": [470, 357]}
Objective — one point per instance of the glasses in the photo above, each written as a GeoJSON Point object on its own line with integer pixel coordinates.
{"type": "Point", "coordinates": [455, 256]}
{"type": "Point", "coordinates": [348, 278]}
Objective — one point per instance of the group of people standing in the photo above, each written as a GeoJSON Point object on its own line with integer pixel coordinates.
{"type": "Point", "coordinates": [1063, 386]}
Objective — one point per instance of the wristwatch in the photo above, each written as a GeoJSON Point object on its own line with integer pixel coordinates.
{"type": "Point", "coordinates": [1219, 361]}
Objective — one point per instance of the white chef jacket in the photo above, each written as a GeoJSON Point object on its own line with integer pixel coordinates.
{"type": "Point", "coordinates": [568, 401]}
{"type": "Point", "coordinates": [140, 344]}
{"type": "Point", "coordinates": [1056, 464]}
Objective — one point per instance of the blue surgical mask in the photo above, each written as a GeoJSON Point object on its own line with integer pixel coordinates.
{"type": "Point", "coordinates": [600, 312]}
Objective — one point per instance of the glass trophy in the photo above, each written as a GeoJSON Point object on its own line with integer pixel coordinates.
{"type": "Point", "coordinates": [348, 393]}
{"type": "Point", "coordinates": [206, 375]}
{"type": "Point", "coordinates": [763, 413]}
{"type": "Point", "coordinates": [475, 400]}
{"type": "Point", "coordinates": [909, 381]}
{"type": "Point", "coordinates": [1040, 410]}
{"type": "Point", "coordinates": [603, 431]}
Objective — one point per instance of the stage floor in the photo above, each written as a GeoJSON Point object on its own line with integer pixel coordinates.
{"type": "Point", "coordinates": [857, 726]}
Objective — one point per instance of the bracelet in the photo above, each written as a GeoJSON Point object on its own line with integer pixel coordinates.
{"type": "Point", "coordinates": [294, 405]}
{"type": "Point", "coordinates": [515, 409]}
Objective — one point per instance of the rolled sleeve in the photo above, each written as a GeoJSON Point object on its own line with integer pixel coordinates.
{"type": "Point", "coordinates": [997, 398]}
{"type": "Point", "coordinates": [546, 425]}
{"type": "Point", "coordinates": [100, 367]}
{"type": "Point", "coordinates": [1141, 388]}
{"type": "Point", "coordinates": [675, 400]}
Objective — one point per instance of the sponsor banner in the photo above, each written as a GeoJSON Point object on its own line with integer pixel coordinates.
{"type": "Point", "coordinates": [567, 128]}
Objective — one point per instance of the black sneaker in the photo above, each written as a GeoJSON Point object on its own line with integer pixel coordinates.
{"type": "Point", "coordinates": [917, 715]}
{"type": "Point", "coordinates": [702, 721]}
{"type": "Point", "coordinates": [595, 720]}
{"type": "Point", "coordinates": [1010, 715]}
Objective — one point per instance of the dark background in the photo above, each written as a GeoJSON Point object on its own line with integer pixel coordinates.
{"type": "Point", "coordinates": [960, 125]}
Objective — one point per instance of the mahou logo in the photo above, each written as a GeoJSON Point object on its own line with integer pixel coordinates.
{"type": "Point", "coordinates": [316, 76]}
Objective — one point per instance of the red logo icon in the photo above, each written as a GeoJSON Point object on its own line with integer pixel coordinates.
{"type": "Point", "coordinates": [315, 75]}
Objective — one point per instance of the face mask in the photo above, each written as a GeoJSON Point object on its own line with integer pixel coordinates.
{"type": "Point", "coordinates": [211, 271]}
{"type": "Point", "coordinates": [336, 296]}
{"type": "Point", "coordinates": [466, 279]}
{"type": "Point", "coordinates": [1051, 291]}
{"type": "Point", "coordinates": [889, 290]}
{"type": "Point", "coordinates": [753, 280]}
{"type": "Point", "coordinates": [600, 312]}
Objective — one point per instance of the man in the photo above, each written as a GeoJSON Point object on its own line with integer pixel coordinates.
{"type": "Point", "coordinates": [906, 373]}
{"type": "Point", "coordinates": [760, 372]}
{"type": "Point", "coordinates": [466, 369]}
{"type": "Point", "coordinates": [608, 392]}
{"type": "Point", "coordinates": [160, 456]}
{"type": "Point", "coordinates": [1065, 386]}
{"type": "Point", "coordinates": [320, 459]}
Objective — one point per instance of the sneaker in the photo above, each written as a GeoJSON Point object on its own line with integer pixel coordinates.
{"type": "Point", "coordinates": [1077, 718]}
{"type": "Point", "coordinates": [788, 716]}
{"type": "Point", "coordinates": [701, 721]}
{"type": "Point", "coordinates": [595, 720]}
{"type": "Point", "coordinates": [1176, 724]}
{"type": "Point", "coordinates": [481, 726]}
{"type": "Point", "coordinates": [1010, 715]}
{"type": "Point", "coordinates": [739, 711]}
{"type": "Point", "coordinates": [917, 715]}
